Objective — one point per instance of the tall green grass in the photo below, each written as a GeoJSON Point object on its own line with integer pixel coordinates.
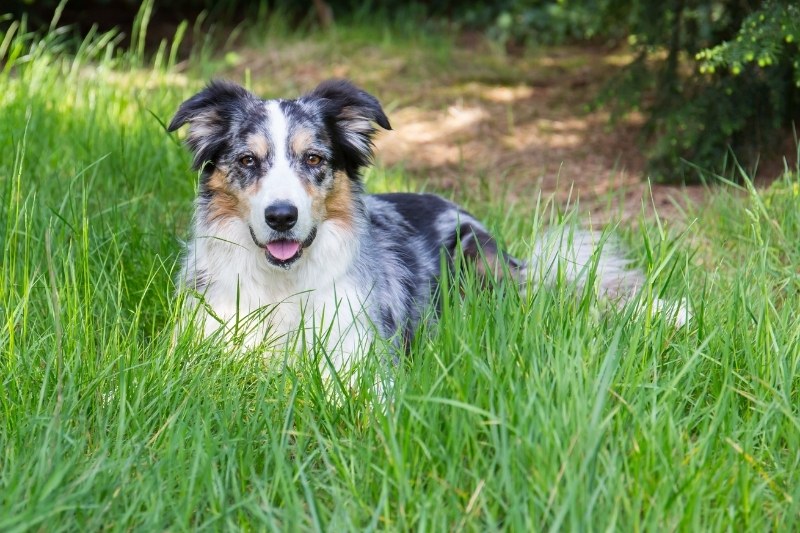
{"type": "Point", "coordinates": [518, 413]}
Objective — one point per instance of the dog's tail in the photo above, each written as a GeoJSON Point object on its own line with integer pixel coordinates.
{"type": "Point", "coordinates": [587, 259]}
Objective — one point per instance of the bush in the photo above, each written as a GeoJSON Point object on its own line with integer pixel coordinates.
{"type": "Point", "coordinates": [740, 90]}
{"type": "Point", "coordinates": [708, 75]}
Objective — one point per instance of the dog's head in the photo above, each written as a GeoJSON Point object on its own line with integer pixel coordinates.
{"type": "Point", "coordinates": [281, 166]}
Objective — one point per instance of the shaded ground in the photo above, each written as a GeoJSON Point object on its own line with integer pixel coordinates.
{"type": "Point", "coordinates": [476, 122]}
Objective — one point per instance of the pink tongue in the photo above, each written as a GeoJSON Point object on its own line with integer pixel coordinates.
{"type": "Point", "coordinates": [283, 250]}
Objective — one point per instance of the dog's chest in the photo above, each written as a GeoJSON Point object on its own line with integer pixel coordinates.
{"type": "Point", "coordinates": [323, 300]}
{"type": "Point", "coordinates": [275, 309]}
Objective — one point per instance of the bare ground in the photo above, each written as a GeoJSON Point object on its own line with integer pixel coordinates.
{"type": "Point", "coordinates": [477, 123]}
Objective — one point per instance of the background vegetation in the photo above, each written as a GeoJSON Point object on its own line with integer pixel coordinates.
{"type": "Point", "coordinates": [708, 75]}
{"type": "Point", "coordinates": [547, 411]}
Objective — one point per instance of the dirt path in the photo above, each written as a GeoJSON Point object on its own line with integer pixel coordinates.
{"type": "Point", "coordinates": [481, 124]}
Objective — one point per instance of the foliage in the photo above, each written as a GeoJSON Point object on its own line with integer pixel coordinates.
{"type": "Point", "coordinates": [708, 75]}
{"type": "Point", "coordinates": [761, 41]}
{"type": "Point", "coordinates": [513, 22]}
{"type": "Point", "coordinates": [743, 89]}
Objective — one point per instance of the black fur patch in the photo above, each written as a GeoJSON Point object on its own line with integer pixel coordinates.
{"type": "Point", "coordinates": [420, 211]}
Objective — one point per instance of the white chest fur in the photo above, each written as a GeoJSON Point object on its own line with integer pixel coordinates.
{"type": "Point", "coordinates": [319, 302]}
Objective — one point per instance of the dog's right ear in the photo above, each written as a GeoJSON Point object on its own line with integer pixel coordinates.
{"type": "Point", "coordinates": [210, 114]}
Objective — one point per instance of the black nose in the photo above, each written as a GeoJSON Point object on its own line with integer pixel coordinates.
{"type": "Point", "coordinates": [281, 216]}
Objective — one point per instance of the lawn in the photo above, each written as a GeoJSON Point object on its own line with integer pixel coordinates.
{"type": "Point", "coordinates": [549, 411]}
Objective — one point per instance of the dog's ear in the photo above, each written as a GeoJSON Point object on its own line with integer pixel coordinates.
{"type": "Point", "coordinates": [210, 114]}
{"type": "Point", "coordinates": [351, 114]}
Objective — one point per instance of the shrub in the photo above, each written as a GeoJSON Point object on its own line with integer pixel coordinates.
{"type": "Point", "coordinates": [708, 75]}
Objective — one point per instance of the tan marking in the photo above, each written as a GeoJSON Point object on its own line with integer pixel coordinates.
{"type": "Point", "coordinates": [258, 144]}
{"type": "Point", "coordinates": [356, 121]}
{"type": "Point", "coordinates": [224, 203]}
{"type": "Point", "coordinates": [317, 196]}
{"type": "Point", "coordinates": [204, 125]}
{"type": "Point", "coordinates": [489, 264]}
{"type": "Point", "coordinates": [339, 201]}
{"type": "Point", "coordinates": [301, 140]}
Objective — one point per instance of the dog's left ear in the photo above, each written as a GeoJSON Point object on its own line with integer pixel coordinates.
{"type": "Point", "coordinates": [351, 114]}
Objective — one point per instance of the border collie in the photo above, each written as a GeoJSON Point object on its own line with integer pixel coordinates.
{"type": "Point", "coordinates": [286, 241]}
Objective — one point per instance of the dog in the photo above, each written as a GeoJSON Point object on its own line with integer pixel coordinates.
{"type": "Point", "coordinates": [286, 241]}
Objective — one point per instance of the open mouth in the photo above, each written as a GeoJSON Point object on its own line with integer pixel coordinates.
{"type": "Point", "coordinates": [284, 252]}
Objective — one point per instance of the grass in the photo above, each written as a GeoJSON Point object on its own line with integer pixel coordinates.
{"type": "Point", "coordinates": [513, 413]}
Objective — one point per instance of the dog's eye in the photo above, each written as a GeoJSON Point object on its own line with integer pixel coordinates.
{"type": "Point", "coordinates": [313, 160]}
{"type": "Point", "coordinates": [247, 161]}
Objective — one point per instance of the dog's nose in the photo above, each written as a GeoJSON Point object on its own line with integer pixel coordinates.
{"type": "Point", "coordinates": [281, 216]}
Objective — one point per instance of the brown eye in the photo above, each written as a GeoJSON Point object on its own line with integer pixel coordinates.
{"type": "Point", "coordinates": [247, 161]}
{"type": "Point", "coordinates": [313, 160]}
